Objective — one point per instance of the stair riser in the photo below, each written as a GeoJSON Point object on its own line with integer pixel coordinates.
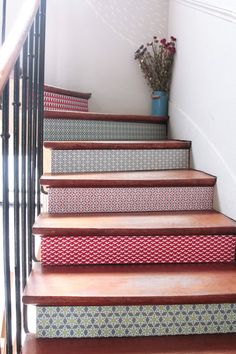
{"type": "Point", "coordinates": [134, 321]}
{"type": "Point", "coordinates": [95, 200]}
{"type": "Point", "coordinates": [71, 130]}
{"type": "Point", "coordinates": [118, 160]}
{"type": "Point", "coordinates": [69, 250]}
{"type": "Point", "coordinates": [54, 101]}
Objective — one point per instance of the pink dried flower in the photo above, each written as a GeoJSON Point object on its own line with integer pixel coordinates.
{"type": "Point", "coordinates": [156, 62]}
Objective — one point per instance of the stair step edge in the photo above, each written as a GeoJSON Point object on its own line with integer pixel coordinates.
{"type": "Point", "coordinates": [117, 145]}
{"type": "Point", "coordinates": [168, 178]}
{"type": "Point", "coordinates": [106, 117]}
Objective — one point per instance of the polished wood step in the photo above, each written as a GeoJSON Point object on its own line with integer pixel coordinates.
{"type": "Point", "coordinates": [131, 285]}
{"type": "Point", "coordinates": [135, 224]}
{"type": "Point", "coordinates": [105, 117]}
{"type": "Point", "coordinates": [117, 145]}
{"type": "Point", "coordinates": [204, 344]}
{"type": "Point", "coordinates": [173, 178]}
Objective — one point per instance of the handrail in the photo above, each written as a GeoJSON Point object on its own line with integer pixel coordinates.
{"type": "Point", "coordinates": [13, 44]}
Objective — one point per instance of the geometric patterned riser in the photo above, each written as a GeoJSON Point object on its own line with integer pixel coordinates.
{"type": "Point", "coordinates": [95, 200]}
{"type": "Point", "coordinates": [134, 321]}
{"type": "Point", "coordinates": [55, 101]}
{"type": "Point", "coordinates": [118, 160]}
{"type": "Point", "coordinates": [69, 250]}
{"type": "Point", "coordinates": [73, 129]}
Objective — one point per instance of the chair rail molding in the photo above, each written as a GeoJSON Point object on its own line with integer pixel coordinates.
{"type": "Point", "coordinates": [207, 7]}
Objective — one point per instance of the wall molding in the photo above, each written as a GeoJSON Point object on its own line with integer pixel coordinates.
{"type": "Point", "coordinates": [210, 9]}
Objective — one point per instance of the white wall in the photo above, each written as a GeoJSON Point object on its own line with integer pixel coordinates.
{"type": "Point", "coordinates": [13, 9]}
{"type": "Point", "coordinates": [90, 47]}
{"type": "Point", "coordinates": [203, 96]}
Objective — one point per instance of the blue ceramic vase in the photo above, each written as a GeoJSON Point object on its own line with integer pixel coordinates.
{"type": "Point", "coordinates": [159, 103]}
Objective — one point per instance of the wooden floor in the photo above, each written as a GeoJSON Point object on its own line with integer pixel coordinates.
{"type": "Point", "coordinates": [136, 224]}
{"type": "Point", "coordinates": [175, 178]}
{"type": "Point", "coordinates": [131, 285]}
{"type": "Point", "coordinates": [200, 344]}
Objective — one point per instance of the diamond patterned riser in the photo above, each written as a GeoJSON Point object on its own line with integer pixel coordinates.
{"type": "Point", "coordinates": [54, 101]}
{"type": "Point", "coordinates": [95, 200]}
{"type": "Point", "coordinates": [133, 321]}
{"type": "Point", "coordinates": [68, 250]}
{"type": "Point", "coordinates": [71, 129]}
{"type": "Point", "coordinates": [118, 160]}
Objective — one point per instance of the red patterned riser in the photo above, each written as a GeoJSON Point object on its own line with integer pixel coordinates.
{"type": "Point", "coordinates": [55, 101]}
{"type": "Point", "coordinates": [92, 200]}
{"type": "Point", "coordinates": [67, 250]}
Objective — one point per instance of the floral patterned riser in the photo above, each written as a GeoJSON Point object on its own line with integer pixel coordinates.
{"type": "Point", "coordinates": [54, 101]}
{"type": "Point", "coordinates": [133, 321]}
{"type": "Point", "coordinates": [118, 160]}
{"type": "Point", "coordinates": [68, 250]}
{"type": "Point", "coordinates": [73, 129]}
{"type": "Point", "coordinates": [95, 200]}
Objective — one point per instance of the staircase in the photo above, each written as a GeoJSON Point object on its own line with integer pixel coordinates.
{"type": "Point", "coordinates": [134, 259]}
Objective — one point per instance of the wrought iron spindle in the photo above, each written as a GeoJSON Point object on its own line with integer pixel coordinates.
{"type": "Point", "coordinates": [17, 272]}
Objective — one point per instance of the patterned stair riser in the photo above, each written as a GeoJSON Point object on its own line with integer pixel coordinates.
{"type": "Point", "coordinates": [57, 102]}
{"type": "Point", "coordinates": [133, 321]}
{"type": "Point", "coordinates": [95, 200]}
{"type": "Point", "coordinates": [118, 160]}
{"type": "Point", "coordinates": [68, 250]}
{"type": "Point", "coordinates": [71, 129]}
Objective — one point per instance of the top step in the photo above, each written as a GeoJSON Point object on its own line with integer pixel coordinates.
{"type": "Point", "coordinates": [105, 117]}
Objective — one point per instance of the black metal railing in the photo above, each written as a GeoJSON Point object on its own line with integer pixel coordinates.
{"type": "Point", "coordinates": [22, 158]}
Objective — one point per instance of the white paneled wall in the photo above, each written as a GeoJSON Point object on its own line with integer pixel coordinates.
{"type": "Point", "coordinates": [203, 97]}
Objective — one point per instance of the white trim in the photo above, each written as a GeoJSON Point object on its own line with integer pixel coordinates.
{"type": "Point", "coordinates": [208, 8]}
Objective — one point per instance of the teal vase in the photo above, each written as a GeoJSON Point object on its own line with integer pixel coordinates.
{"type": "Point", "coordinates": [159, 103]}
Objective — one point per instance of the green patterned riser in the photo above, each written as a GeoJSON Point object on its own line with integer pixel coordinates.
{"type": "Point", "coordinates": [133, 321]}
{"type": "Point", "coordinates": [70, 129]}
{"type": "Point", "coordinates": [118, 160]}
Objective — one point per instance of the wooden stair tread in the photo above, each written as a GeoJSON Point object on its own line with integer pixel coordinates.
{"type": "Point", "coordinates": [135, 224]}
{"type": "Point", "coordinates": [204, 344]}
{"type": "Point", "coordinates": [97, 285]}
{"type": "Point", "coordinates": [117, 145]}
{"type": "Point", "coordinates": [105, 117]}
{"type": "Point", "coordinates": [176, 178]}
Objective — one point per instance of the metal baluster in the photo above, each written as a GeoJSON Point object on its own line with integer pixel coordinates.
{"type": "Point", "coordinates": [16, 104]}
{"type": "Point", "coordinates": [41, 100]}
{"type": "Point", "coordinates": [29, 148]}
{"type": "Point", "coordinates": [35, 123]}
{"type": "Point", "coordinates": [23, 163]}
{"type": "Point", "coordinates": [5, 182]}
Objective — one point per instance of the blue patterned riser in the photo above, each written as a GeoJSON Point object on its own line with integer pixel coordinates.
{"type": "Point", "coordinates": [118, 160]}
{"type": "Point", "coordinates": [70, 129]}
{"type": "Point", "coordinates": [133, 321]}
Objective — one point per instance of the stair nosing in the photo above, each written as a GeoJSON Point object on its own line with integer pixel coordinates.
{"type": "Point", "coordinates": [111, 224]}
{"type": "Point", "coordinates": [118, 145]}
{"type": "Point", "coordinates": [94, 116]}
{"type": "Point", "coordinates": [104, 180]}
